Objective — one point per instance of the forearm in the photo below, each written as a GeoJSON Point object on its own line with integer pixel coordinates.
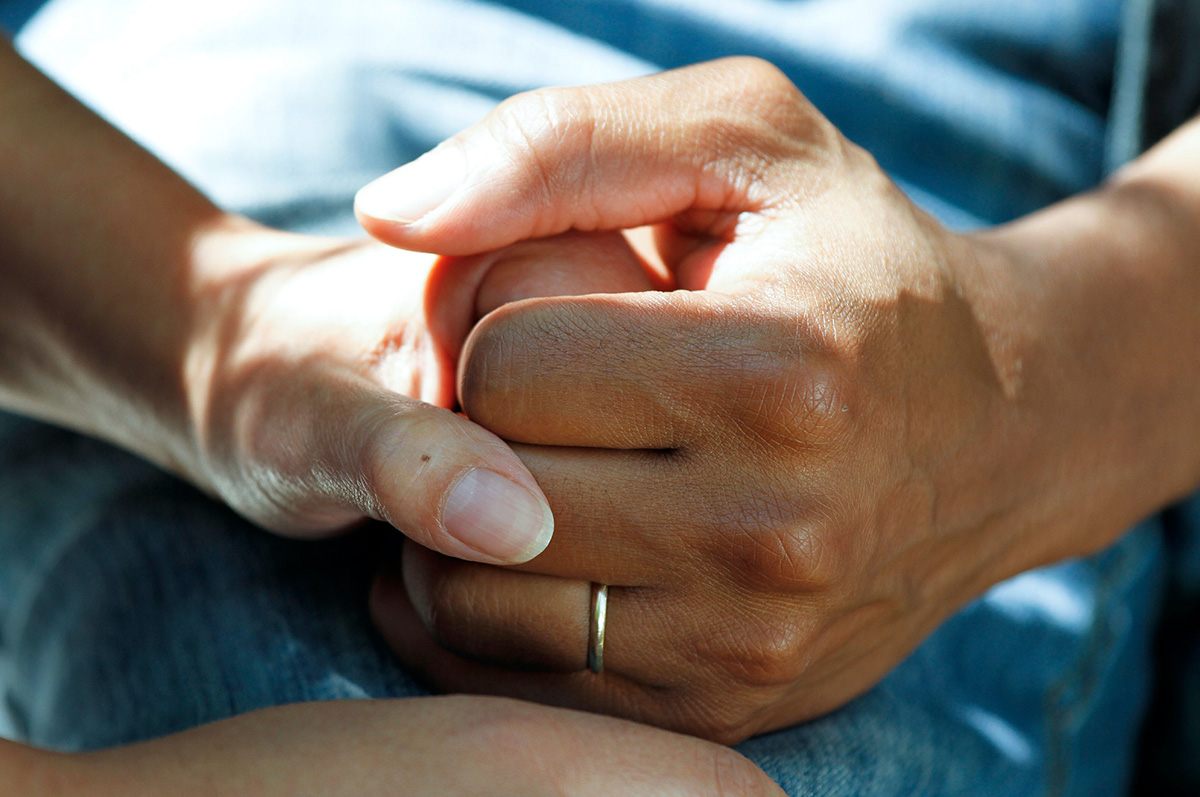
{"type": "Point", "coordinates": [1104, 341]}
{"type": "Point", "coordinates": [36, 773]}
{"type": "Point", "coordinates": [97, 244]}
{"type": "Point", "coordinates": [293, 376]}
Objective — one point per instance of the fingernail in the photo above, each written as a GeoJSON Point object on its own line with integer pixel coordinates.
{"type": "Point", "coordinates": [416, 189]}
{"type": "Point", "coordinates": [498, 517]}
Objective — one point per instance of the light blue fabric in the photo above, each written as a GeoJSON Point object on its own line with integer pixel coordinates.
{"type": "Point", "coordinates": [131, 606]}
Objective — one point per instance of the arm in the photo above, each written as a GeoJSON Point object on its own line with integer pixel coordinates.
{"type": "Point", "coordinates": [851, 422]}
{"type": "Point", "coordinates": [282, 373]}
{"type": "Point", "coordinates": [1099, 316]}
{"type": "Point", "coordinates": [97, 242]}
{"type": "Point", "coordinates": [419, 746]}
{"type": "Point", "coordinates": [25, 770]}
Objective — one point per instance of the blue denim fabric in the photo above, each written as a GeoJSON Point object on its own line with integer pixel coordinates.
{"type": "Point", "coordinates": [15, 13]}
{"type": "Point", "coordinates": [132, 606]}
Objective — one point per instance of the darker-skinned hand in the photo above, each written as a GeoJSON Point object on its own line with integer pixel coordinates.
{"type": "Point", "coordinates": [790, 470]}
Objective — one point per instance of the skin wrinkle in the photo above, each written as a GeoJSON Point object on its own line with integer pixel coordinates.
{"type": "Point", "coordinates": [592, 155]}
{"type": "Point", "coordinates": [551, 363]}
{"type": "Point", "coordinates": [880, 453]}
{"type": "Point", "coordinates": [283, 398]}
{"type": "Point", "coordinates": [515, 117]}
{"type": "Point", "coordinates": [772, 559]}
{"type": "Point", "coordinates": [760, 652]}
{"type": "Point", "coordinates": [328, 478]}
{"type": "Point", "coordinates": [771, 407]}
{"type": "Point", "coordinates": [799, 415]}
{"type": "Point", "coordinates": [989, 476]}
{"type": "Point", "coordinates": [396, 359]}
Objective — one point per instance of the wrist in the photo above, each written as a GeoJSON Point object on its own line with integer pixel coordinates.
{"type": "Point", "coordinates": [1097, 297]}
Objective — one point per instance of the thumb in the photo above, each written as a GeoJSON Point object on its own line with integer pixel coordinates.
{"type": "Point", "coordinates": [454, 487]}
{"type": "Point", "coordinates": [699, 146]}
{"type": "Point", "coordinates": [325, 452]}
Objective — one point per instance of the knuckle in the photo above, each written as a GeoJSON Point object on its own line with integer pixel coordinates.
{"type": "Point", "coordinates": [775, 108]}
{"type": "Point", "coordinates": [548, 133]}
{"type": "Point", "coordinates": [752, 75]}
{"type": "Point", "coordinates": [788, 382]}
{"type": "Point", "coordinates": [375, 444]}
{"type": "Point", "coordinates": [770, 539]}
{"type": "Point", "coordinates": [790, 559]}
{"type": "Point", "coordinates": [814, 405]}
{"type": "Point", "coordinates": [387, 441]}
{"type": "Point", "coordinates": [795, 405]}
{"type": "Point", "coordinates": [772, 655]}
{"type": "Point", "coordinates": [764, 652]}
{"type": "Point", "coordinates": [823, 553]}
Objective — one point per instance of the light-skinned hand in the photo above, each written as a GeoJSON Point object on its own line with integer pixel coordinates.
{"type": "Point", "coordinates": [321, 378]}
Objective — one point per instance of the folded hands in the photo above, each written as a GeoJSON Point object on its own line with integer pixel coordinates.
{"type": "Point", "coordinates": [792, 438]}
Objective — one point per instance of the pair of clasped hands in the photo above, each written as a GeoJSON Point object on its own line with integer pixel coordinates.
{"type": "Point", "coordinates": [760, 426]}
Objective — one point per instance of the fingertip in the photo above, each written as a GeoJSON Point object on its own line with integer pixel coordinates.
{"type": "Point", "coordinates": [464, 226]}
{"type": "Point", "coordinates": [389, 232]}
{"type": "Point", "coordinates": [415, 190]}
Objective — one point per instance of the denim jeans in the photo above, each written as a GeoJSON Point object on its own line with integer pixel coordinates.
{"type": "Point", "coordinates": [132, 606]}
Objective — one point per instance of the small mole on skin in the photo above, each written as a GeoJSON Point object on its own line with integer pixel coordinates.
{"type": "Point", "coordinates": [425, 457]}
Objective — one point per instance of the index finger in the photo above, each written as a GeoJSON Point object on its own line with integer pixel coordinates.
{"type": "Point", "coordinates": [628, 371]}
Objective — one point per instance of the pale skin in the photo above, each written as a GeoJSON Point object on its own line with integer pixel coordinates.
{"type": "Point", "coordinates": [845, 424]}
{"type": "Point", "coordinates": [434, 746]}
{"type": "Point", "coordinates": [133, 309]}
{"type": "Point", "coordinates": [306, 382]}
{"type": "Point", "coordinates": [986, 427]}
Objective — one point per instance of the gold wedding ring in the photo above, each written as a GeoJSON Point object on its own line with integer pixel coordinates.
{"type": "Point", "coordinates": [596, 627]}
